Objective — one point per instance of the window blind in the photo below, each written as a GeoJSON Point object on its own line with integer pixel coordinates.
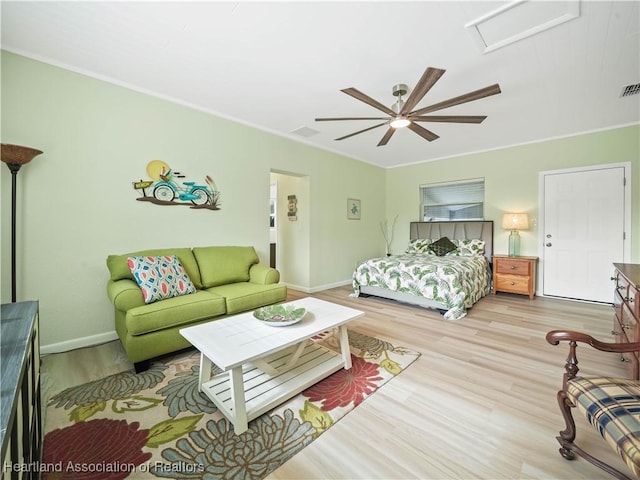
{"type": "Point", "coordinates": [450, 201]}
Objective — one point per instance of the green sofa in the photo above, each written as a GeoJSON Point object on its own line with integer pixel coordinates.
{"type": "Point", "coordinates": [228, 280]}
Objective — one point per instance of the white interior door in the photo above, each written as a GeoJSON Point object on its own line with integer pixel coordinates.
{"type": "Point", "coordinates": [584, 225]}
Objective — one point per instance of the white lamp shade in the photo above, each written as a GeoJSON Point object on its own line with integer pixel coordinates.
{"type": "Point", "coordinates": [515, 221]}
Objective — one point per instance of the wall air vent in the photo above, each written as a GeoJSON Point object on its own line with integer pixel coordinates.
{"type": "Point", "coordinates": [630, 90]}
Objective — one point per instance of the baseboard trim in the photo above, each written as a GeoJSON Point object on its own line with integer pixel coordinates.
{"type": "Point", "coordinates": [76, 343]}
{"type": "Point", "coordinates": [318, 288]}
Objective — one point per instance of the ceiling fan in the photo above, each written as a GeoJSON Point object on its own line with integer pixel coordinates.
{"type": "Point", "coordinates": [401, 113]}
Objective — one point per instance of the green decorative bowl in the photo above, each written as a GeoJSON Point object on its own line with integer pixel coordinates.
{"type": "Point", "coordinates": [280, 315]}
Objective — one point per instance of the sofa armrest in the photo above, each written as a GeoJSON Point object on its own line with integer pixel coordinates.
{"type": "Point", "coordinates": [124, 294]}
{"type": "Point", "coordinates": [263, 275]}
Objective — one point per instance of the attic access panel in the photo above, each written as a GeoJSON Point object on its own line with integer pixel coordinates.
{"type": "Point", "coordinates": [518, 20]}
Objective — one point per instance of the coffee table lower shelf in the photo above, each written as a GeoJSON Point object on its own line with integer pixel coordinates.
{"type": "Point", "coordinates": [269, 381]}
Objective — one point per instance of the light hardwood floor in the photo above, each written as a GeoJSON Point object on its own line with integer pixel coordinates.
{"type": "Point", "coordinates": [479, 403]}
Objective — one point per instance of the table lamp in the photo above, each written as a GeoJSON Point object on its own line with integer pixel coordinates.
{"type": "Point", "coordinates": [515, 222]}
{"type": "Point", "coordinates": [15, 156]}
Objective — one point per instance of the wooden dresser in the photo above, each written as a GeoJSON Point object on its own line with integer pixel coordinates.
{"type": "Point", "coordinates": [514, 275]}
{"type": "Point", "coordinates": [21, 417]}
{"type": "Point", "coordinates": [626, 303]}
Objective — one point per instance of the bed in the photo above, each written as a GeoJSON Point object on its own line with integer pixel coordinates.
{"type": "Point", "coordinates": [451, 283]}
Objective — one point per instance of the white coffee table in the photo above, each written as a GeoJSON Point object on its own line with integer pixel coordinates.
{"type": "Point", "coordinates": [260, 371]}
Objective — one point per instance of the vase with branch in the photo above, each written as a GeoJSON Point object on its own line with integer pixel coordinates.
{"type": "Point", "coordinates": [388, 233]}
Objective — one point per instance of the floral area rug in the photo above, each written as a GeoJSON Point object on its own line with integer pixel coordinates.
{"type": "Point", "coordinates": [156, 424]}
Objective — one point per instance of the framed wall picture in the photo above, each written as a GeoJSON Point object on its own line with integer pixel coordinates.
{"type": "Point", "coordinates": [292, 206]}
{"type": "Point", "coordinates": [353, 209]}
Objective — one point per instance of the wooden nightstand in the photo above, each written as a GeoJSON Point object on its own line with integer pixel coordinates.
{"type": "Point", "coordinates": [514, 275]}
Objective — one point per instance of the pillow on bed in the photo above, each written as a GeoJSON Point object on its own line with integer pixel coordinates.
{"type": "Point", "coordinates": [418, 245]}
{"type": "Point", "coordinates": [469, 248]}
{"type": "Point", "coordinates": [442, 246]}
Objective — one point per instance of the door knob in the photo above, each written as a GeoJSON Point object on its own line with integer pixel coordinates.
{"type": "Point", "coordinates": [548, 235]}
{"type": "Point", "coordinates": [548, 244]}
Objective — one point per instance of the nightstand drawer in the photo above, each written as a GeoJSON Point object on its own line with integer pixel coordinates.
{"type": "Point", "coordinates": [514, 266]}
{"type": "Point", "coordinates": [512, 283]}
{"type": "Point", "coordinates": [514, 275]}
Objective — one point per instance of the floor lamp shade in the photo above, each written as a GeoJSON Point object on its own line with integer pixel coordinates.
{"type": "Point", "coordinates": [15, 156]}
{"type": "Point", "coordinates": [515, 222]}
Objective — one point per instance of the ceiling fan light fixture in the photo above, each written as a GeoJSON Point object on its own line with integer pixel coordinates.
{"type": "Point", "coordinates": [400, 122]}
{"type": "Point", "coordinates": [402, 114]}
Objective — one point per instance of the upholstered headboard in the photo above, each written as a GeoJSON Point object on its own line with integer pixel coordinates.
{"type": "Point", "coordinates": [481, 229]}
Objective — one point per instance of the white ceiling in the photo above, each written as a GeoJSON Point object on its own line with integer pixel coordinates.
{"type": "Point", "coordinates": [279, 65]}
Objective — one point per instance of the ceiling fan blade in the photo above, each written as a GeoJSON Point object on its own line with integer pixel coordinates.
{"type": "Point", "coordinates": [357, 94]}
{"type": "Point", "coordinates": [450, 118]}
{"type": "Point", "coordinates": [423, 132]}
{"type": "Point", "coordinates": [362, 131]}
{"type": "Point", "coordinates": [428, 80]}
{"type": "Point", "coordinates": [467, 97]}
{"type": "Point", "coordinates": [386, 137]}
{"type": "Point", "coordinates": [349, 118]}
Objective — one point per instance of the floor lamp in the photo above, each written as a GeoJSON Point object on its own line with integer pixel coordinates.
{"type": "Point", "coordinates": [15, 156]}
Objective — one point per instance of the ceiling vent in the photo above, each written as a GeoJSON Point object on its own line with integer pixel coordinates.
{"type": "Point", "coordinates": [305, 132]}
{"type": "Point", "coordinates": [630, 90]}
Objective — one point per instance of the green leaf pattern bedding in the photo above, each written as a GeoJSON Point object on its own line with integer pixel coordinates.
{"type": "Point", "coordinates": [456, 282]}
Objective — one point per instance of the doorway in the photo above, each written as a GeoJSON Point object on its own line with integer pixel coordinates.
{"type": "Point", "coordinates": [292, 231]}
{"type": "Point", "coordinates": [273, 227]}
{"type": "Point", "coordinates": [584, 219]}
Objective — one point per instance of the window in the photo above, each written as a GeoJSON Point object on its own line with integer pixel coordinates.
{"type": "Point", "coordinates": [463, 200]}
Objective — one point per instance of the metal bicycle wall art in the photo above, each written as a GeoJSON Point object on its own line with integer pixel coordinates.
{"type": "Point", "coordinates": [166, 187]}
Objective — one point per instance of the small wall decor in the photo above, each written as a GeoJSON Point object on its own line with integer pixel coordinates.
{"type": "Point", "coordinates": [353, 209]}
{"type": "Point", "coordinates": [292, 206]}
{"type": "Point", "coordinates": [167, 188]}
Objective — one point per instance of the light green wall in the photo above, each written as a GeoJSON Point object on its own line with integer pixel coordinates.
{"type": "Point", "coordinates": [77, 205]}
{"type": "Point", "coordinates": [511, 180]}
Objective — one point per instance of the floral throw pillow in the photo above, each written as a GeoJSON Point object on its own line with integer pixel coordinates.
{"type": "Point", "coordinates": [160, 277]}
{"type": "Point", "coordinates": [442, 246]}
{"type": "Point", "coordinates": [470, 248]}
{"type": "Point", "coordinates": [418, 245]}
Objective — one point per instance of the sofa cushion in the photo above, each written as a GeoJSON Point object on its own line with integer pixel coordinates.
{"type": "Point", "coordinates": [173, 312]}
{"type": "Point", "coordinates": [612, 406]}
{"type": "Point", "coordinates": [119, 269]}
{"type": "Point", "coordinates": [223, 265]}
{"type": "Point", "coordinates": [160, 277]}
{"type": "Point", "coordinates": [244, 296]}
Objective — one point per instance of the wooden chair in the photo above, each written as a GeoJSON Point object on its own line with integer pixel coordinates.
{"type": "Point", "coordinates": [611, 405]}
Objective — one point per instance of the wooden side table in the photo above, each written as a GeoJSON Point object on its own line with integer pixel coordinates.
{"type": "Point", "coordinates": [514, 275]}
